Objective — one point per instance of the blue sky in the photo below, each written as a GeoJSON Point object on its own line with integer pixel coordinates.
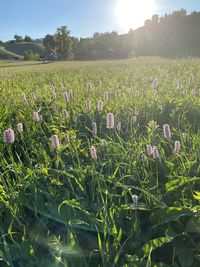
{"type": "Point", "coordinates": [36, 18]}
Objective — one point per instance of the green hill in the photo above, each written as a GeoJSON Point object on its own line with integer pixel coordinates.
{"type": "Point", "coordinates": [20, 48]}
{"type": "Point", "coordinates": [5, 54]}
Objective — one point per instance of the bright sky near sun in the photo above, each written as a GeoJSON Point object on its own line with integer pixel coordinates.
{"type": "Point", "coordinates": [36, 18]}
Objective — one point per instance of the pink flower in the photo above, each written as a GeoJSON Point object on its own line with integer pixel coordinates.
{"type": "Point", "coordinates": [177, 147]}
{"type": "Point", "coordinates": [149, 150]}
{"type": "Point", "coordinates": [135, 199]}
{"type": "Point", "coordinates": [178, 84]}
{"type": "Point", "coordinates": [191, 78]}
{"type": "Point", "coordinates": [106, 96]}
{"type": "Point", "coordinates": [167, 131]}
{"type": "Point", "coordinates": [24, 99]}
{"type": "Point", "coordinates": [155, 152]}
{"type": "Point", "coordinates": [66, 97]}
{"type": "Point", "coordinates": [93, 153]}
{"type": "Point", "coordinates": [33, 96]}
{"type": "Point", "coordinates": [55, 141]}
{"type": "Point", "coordinates": [88, 87]}
{"type": "Point", "coordinates": [94, 128]}
{"type": "Point", "coordinates": [9, 136]}
{"type": "Point", "coordinates": [154, 83]}
{"type": "Point", "coordinates": [100, 105]}
{"type": "Point", "coordinates": [117, 93]}
{"type": "Point", "coordinates": [20, 127]}
{"type": "Point", "coordinates": [70, 94]}
{"type": "Point", "coordinates": [88, 104]}
{"type": "Point", "coordinates": [184, 136]}
{"type": "Point", "coordinates": [36, 116]}
{"type": "Point", "coordinates": [67, 137]}
{"type": "Point", "coordinates": [110, 121]}
{"type": "Point", "coordinates": [65, 113]}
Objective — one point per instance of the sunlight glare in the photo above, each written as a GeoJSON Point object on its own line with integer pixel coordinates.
{"type": "Point", "coordinates": [133, 13]}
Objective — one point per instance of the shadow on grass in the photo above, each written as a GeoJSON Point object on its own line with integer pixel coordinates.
{"type": "Point", "coordinates": [24, 65]}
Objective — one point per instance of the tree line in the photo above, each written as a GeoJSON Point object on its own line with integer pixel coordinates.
{"type": "Point", "coordinates": [172, 35]}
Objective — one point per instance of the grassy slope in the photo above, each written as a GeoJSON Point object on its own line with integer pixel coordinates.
{"type": "Point", "coordinates": [4, 54]}
{"type": "Point", "coordinates": [20, 48]}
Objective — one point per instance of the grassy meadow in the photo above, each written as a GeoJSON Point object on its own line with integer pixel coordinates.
{"type": "Point", "coordinates": [97, 183]}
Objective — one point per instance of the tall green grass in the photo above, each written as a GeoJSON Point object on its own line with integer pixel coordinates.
{"type": "Point", "coordinates": [59, 207]}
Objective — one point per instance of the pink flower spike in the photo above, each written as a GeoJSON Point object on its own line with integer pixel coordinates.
{"type": "Point", "coordinates": [110, 122]}
{"type": "Point", "coordinates": [9, 136]}
{"type": "Point", "coordinates": [93, 153]}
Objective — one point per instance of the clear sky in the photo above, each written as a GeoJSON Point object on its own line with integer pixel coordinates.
{"type": "Point", "coordinates": [36, 18]}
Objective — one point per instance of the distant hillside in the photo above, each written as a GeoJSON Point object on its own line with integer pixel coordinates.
{"type": "Point", "coordinates": [4, 54]}
{"type": "Point", "coordinates": [176, 35]}
{"type": "Point", "coordinates": [20, 48]}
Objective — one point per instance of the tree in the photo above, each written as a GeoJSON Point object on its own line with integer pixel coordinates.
{"type": "Point", "coordinates": [49, 42]}
{"type": "Point", "coordinates": [29, 55]}
{"type": "Point", "coordinates": [63, 43]}
{"type": "Point", "coordinates": [18, 38]}
{"type": "Point", "coordinates": [155, 19]}
{"type": "Point", "coordinates": [27, 38]}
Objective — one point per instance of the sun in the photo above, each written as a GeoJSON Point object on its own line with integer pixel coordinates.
{"type": "Point", "coordinates": [133, 13]}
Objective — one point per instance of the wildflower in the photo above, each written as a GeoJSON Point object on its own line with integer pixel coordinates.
{"type": "Point", "coordinates": [193, 92]}
{"type": "Point", "coordinates": [177, 147]}
{"type": "Point", "coordinates": [155, 152]}
{"type": "Point", "coordinates": [167, 131]}
{"type": "Point", "coordinates": [178, 85]}
{"type": "Point", "coordinates": [88, 104]}
{"type": "Point", "coordinates": [100, 105]}
{"type": "Point", "coordinates": [93, 153]}
{"type": "Point", "coordinates": [191, 78]}
{"type": "Point", "coordinates": [24, 99]}
{"type": "Point", "coordinates": [74, 118]}
{"type": "Point", "coordinates": [88, 87]}
{"type": "Point", "coordinates": [94, 128]}
{"type": "Point", "coordinates": [66, 97]}
{"type": "Point", "coordinates": [55, 141]}
{"type": "Point", "coordinates": [70, 94]}
{"type": "Point", "coordinates": [149, 150]}
{"type": "Point", "coordinates": [110, 122]}
{"type": "Point", "coordinates": [185, 91]}
{"type": "Point", "coordinates": [67, 137]}
{"type": "Point", "coordinates": [184, 136]}
{"type": "Point", "coordinates": [135, 199]}
{"type": "Point", "coordinates": [117, 93]}
{"type": "Point", "coordinates": [53, 93]}
{"type": "Point", "coordinates": [36, 116]}
{"type": "Point", "coordinates": [65, 113]}
{"type": "Point", "coordinates": [106, 96]}
{"type": "Point", "coordinates": [9, 135]}
{"type": "Point", "coordinates": [33, 96]}
{"type": "Point", "coordinates": [20, 127]}
{"type": "Point", "coordinates": [154, 83]}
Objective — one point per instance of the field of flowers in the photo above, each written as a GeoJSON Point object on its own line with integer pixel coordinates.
{"type": "Point", "coordinates": [100, 164]}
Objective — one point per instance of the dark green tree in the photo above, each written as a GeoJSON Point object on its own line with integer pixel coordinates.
{"type": "Point", "coordinates": [63, 43]}
{"type": "Point", "coordinates": [18, 38]}
{"type": "Point", "coordinates": [27, 38]}
{"type": "Point", "coordinates": [49, 42]}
